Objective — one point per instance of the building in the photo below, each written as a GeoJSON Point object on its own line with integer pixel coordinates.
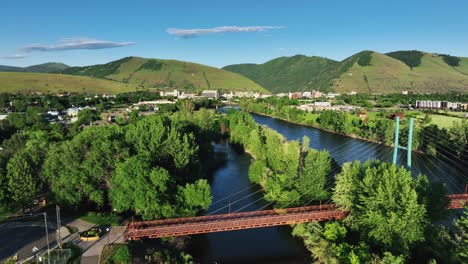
{"type": "Point", "coordinates": [212, 94]}
{"type": "Point", "coordinates": [295, 95]}
{"type": "Point", "coordinates": [307, 94]}
{"type": "Point", "coordinates": [73, 112]}
{"type": "Point", "coordinates": [394, 116]}
{"type": "Point", "coordinates": [322, 104]}
{"type": "Point", "coordinates": [175, 93]}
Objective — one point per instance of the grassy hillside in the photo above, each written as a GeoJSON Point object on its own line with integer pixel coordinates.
{"type": "Point", "coordinates": [49, 67]}
{"type": "Point", "coordinates": [387, 74]}
{"type": "Point", "coordinates": [170, 74]}
{"type": "Point", "coordinates": [367, 71]}
{"type": "Point", "coordinates": [24, 82]}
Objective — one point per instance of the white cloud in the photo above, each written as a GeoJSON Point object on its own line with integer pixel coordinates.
{"type": "Point", "coordinates": [195, 32]}
{"type": "Point", "coordinates": [14, 56]}
{"type": "Point", "coordinates": [74, 44]}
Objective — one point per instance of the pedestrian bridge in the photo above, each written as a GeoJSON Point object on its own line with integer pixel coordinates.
{"type": "Point", "coordinates": [247, 220]}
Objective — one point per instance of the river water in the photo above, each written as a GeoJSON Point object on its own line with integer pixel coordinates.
{"type": "Point", "coordinates": [276, 244]}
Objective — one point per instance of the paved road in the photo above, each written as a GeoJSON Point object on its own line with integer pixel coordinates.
{"type": "Point", "coordinates": [22, 239]}
{"type": "Point", "coordinates": [91, 256]}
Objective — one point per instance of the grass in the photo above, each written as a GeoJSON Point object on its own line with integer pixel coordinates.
{"type": "Point", "coordinates": [109, 252]}
{"type": "Point", "coordinates": [444, 121]}
{"type": "Point", "coordinates": [25, 82]}
{"type": "Point", "coordinates": [71, 229]}
{"type": "Point", "coordinates": [134, 72]}
{"type": "Point", "coordinates": [5, 213]}
{"type": "Point", "coordinates": [386, 75]}
{"type": "Point", "coordinates": [101, 218]}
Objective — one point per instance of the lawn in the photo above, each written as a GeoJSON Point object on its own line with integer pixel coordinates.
{"type": "Point", "coordinates": [115, 253]}
{"type": "Point", "coordinates": [442, 121]}
{"type": "Point", "coordinates": [101, 218]}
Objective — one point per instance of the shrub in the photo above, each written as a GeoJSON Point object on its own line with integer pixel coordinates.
{"type": "Point", "coordinates": [365, 58]}
{"type": "Point", "coordinates": [151, 64]}
{"type": "Point", "coordinates": [412, 58]}
{"type": "Point", "coordinates": [122, 255]}
{"type": "Point", "coordinates": [451, 60]}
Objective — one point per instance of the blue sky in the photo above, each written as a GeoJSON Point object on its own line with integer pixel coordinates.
{"type": "Point", "coordinates": [89, 32]}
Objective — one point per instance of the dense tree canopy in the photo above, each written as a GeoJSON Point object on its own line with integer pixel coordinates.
{"type": "Point", "coordinates": [382, 203]}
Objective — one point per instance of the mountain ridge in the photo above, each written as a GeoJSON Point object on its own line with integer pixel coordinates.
{"type": "Point", "coordinates": [48, 67]}
{"type": "Point", "coordinates": [366, 71]}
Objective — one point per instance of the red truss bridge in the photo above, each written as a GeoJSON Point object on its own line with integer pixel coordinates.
{"type": "Point", "coordinates": [247, 220]}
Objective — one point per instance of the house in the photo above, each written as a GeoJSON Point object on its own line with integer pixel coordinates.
{"type": "Point", "coordinates": [97, 123]}
{"type": "Point", "coordinates": [175, 93]}
{"type": "Point", "coordinates": [307, 94]}
{"type": "Point", "coordinates": [362, 114]}
{"type": "Point", "coordinates": [394, 116]}
{"type": "Point", "coordinates": [212, 94]}
{"type": "Point", "coordinates": [296, 95]}
{"type": "Point", "coordinates": [322, 104]}
{"type": "Point", "coordinates": [73, 111]}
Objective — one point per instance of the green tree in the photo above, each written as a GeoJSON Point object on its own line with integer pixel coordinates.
{"type": "Point", "coordinates": [382, 203]}
{"type": "Point", "coordinates": [461, 237]}
{"type": "Point", "coordinates": [137, 187]}
{"type": "Point", "coordinates": [79, 170]}
{"type": "Point", "coordinates": [87, 116]}
{"type": "Point", "coordinates": [22, 185]}
{"type": "Point", "coordinates": [313, 179]}
{"type": "Point", "coordinates": [194, 197]}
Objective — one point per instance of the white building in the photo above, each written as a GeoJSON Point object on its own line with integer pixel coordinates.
{"type": "Point", "coordinates": [73, 112]}
{"type": "Point", "coordinates": [307, 94]}
{"type": "Point", "coordinates": [175, 93]}
{"type": "Point", "coordinates": [212, 94]}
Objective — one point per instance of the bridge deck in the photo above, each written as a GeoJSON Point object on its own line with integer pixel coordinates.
{"type": "Point", "coordinates": [246, 220]}
{"type": "Point", "coordinates": [234, 221]}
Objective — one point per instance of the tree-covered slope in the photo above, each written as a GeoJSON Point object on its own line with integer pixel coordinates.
{"type": "Point", "coordinates": [366, 71]}
{"type": "Point", "coordinates": [49, 67]}
{"type": "Point", "coordinates": [170, 74]}
{"type": "Point", "coordinates": [285, 74]}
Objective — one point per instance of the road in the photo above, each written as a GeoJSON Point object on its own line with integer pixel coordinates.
{"type": "Point", "coordinates": [22, 239]}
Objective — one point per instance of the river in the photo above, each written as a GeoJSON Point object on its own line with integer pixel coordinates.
{"type": "Point", "coordinates": [275, 244]}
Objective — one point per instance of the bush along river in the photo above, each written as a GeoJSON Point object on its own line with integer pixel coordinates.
{"type": "Point", "coordinates": [276, 244]}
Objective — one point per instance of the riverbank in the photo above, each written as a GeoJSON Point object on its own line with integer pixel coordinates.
{"type": "Point", "coordinates": [353, 136]}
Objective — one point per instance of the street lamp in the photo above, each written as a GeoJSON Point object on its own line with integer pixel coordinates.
{"type": "Point", "coordinates": [108, 234]}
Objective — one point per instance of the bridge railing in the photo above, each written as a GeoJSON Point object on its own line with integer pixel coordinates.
{"type": "Point", "coordinates": [146, 224]}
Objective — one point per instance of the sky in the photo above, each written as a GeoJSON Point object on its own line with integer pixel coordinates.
{"type": "Point", "coordinates": [220, 33]}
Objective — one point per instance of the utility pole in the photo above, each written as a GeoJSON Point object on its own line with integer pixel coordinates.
{"type": "Point", "coordinates": [59, 224]}
{"type": "Point", "coordinates": [47, 237]}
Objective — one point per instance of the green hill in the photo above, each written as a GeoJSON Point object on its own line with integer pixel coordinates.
{"type": "Point", "coordinates": [419, 73]}
{"type": "Point", "coordinates": [284, 74]}
{"type": "Point", "coordinates": [167, 74]}
{"type": "Point", "coordinates": [366, 71]}
{"type": "Point", "coordinates": [50, 67]}
{"type": "Point", "coordinates": [25, 82]}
